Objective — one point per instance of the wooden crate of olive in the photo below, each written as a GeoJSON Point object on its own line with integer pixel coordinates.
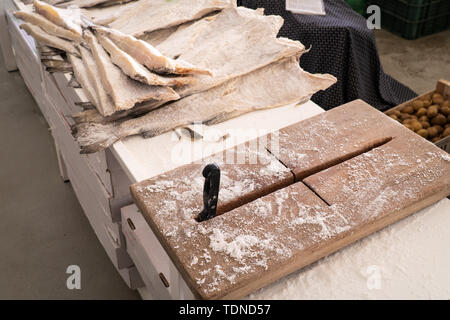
{"type": "Point", "coordinates": [428, 115]}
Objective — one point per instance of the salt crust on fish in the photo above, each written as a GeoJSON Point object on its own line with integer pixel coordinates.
{"type": "Point", "coordinates": [150, 15]}
{"type": "Point", "coordinates": [47, 25]}
{"type": "Point", "coordinates": [149, 56]}
{"type": "Point", "coordinates": [125, 92]}
{"type": "Point", "coordinates": [278, 84]}
{"type": "Point", "coordinates": [46, 39]}
{"type": "Point", "coordinates": [135, 70]}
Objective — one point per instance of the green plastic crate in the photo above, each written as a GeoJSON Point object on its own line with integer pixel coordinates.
{"type": "Point", "coordinates": [358, 5]}
{"type": "Point", "coordinates": [412, 19]}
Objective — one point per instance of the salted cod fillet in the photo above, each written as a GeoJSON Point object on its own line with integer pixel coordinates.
{"type": "Point", "coordinates": [47, 25]}
{"type": "Point", "coordinates": [183, 38]}
{"type": "Point", "coordinates": [150, 15]}
{"type": "Point", "coordinates": [173, 42]}
{"type": "Point", "coordinates": [52, 2]}
{"type": "Point", "coordinates": [46, 51]}
{"type": "Point", "coordinates": [81, 74]}
{"type": "Point", "coordinates": [105, 104]}
{"type": "Point", "coordinates": [66, 18]}
{"type": "Point", "coordinates": [158, 36]}
{"type": "Point", "coordinates": [149, 56]}
{"type": "Point", "coordinates": [115, 2]}
{"type": "Point", "coordinates": [106, 15]}
{"type": "Point", "coordinates": [126, 92]}
{"type": "Point", "coordinates": [92, 3]}
{"type": "Point", "coordinates": [278, 84]}
{"type": "Point", "coordinates": [46, 39]}
{"type": "Point", "coordinates": [236, 42]}
{"type": "Point", "coordinates": [56, 65]}
{"type": "Point", "coordinates": [137, 71]}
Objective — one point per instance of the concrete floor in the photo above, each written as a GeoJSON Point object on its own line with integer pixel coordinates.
{"type": "Point", "coordinates": [43, 229]}
{"type": "Point", "coordinates": [418, 63]}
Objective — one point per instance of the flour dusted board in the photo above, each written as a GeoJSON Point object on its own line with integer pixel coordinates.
{"type": "Point", "coordinates": [247, 173]}
{"type": "Point", "coordinates": [357, 171]}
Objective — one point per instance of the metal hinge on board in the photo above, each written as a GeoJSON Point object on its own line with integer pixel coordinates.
{"type": "Point", "coordinates": [164, 280]}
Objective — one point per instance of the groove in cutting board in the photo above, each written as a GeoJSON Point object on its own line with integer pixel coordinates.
{"type": "Point", "coordinates": [315, 192]}
{"type": "Point", "coordinates": [346, 157]}
{"type": "Point", "coordinates": [343, 158]}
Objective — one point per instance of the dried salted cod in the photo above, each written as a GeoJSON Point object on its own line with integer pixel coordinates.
{"type": "Point", "coordinates": [174, 41]}
{"type": "Point", "coordinates": [236, 42]}
{"type": "Point", "coordinates": [125, 92]}
{"type": "Point", "coordinates": [158, 36]}
{"type": "Point", "coordinates": [115, 2]}
{"type": "Point", "coordinates": [150, 15]}
{"type": "Point", "coordinates": [92, 3]}
{"type": "Point", "coordinates": [135, 70]}
{"type": "Point", "coordinates": [82, 76]}
{"type": "Point", "coordinates": [183, 38]}
{"type": "Point", "coordinates": [278, 84]}
{"type": "Point", "coordinates": [47, 25]}
{"type": "Point", "coordinates": [106, 15]}
{"type": "Point", "coordinates": [56, 65]}
{"type": "Point", "coordinates": [105, 104]}
{"type": "Point", "coordinates": [46, 51]}
{"type": "Point", "coordinates": [183, 32]}
{"type": "Point", "coordinates": [149, 56]}
{"type": "Point", "coordinates": [69, 19]}
{"type": "Point", "coordinates": [46, 39]}
{"type": "Point", "coordinates": [52, 2]}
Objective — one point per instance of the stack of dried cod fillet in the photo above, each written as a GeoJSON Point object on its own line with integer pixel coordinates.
{"type": "Point", "coordinates": [112, 79]}
{"type": "Point", "coordinates": [217, 60]}
{"type": "Point", "coordinates": [82, 3]}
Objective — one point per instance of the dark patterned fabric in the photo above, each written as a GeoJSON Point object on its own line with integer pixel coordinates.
{"type": "Point", "coordinates": [341, 45]}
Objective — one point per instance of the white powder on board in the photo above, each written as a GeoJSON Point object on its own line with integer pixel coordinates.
{"type": "Point", "coordinates": [237, 248]}
{"type": "Point", "coordinates": [407, 260]}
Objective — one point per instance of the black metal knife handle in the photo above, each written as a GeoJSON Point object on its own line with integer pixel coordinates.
{"type": "Point", "coordinates": [210, 192]}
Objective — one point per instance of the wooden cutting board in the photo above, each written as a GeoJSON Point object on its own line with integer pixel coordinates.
{"type": "Point", "coordinates": [356, 171]}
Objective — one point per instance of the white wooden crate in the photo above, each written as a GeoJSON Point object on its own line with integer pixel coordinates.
{"type": "Point", "coordinates": [94, 198]}
{"type": "Point", "coordinates": [70, 151]}
{"type": "Point", "coordinates": [53, 88]}
{"type": "Point", "coordinates": [71, 95]}
{"type": "Point", "coordinates": [95, 176]}
{"type": "Point", "coordinates": [54, 94]}
{"type": "Point", "coordinates": [29, 65]}
{"type": "Point", "coordinates": [108, 233]}
{"type": "Point", "coordinates": [120, 185]}
{"type": "Point", "coordinates": [157, 270]}
{"type": "Point", "coordinates": [23, 44]}
{"type": "Point", "coordinates": [132, 278]}
{"type": "Point", "coordinates": [89, 174]}
{"type": "Point", "coordinates": [96, 161]}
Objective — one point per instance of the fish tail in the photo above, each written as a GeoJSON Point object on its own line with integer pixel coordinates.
{"type": "Point", "coordinates": [94, 137]}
